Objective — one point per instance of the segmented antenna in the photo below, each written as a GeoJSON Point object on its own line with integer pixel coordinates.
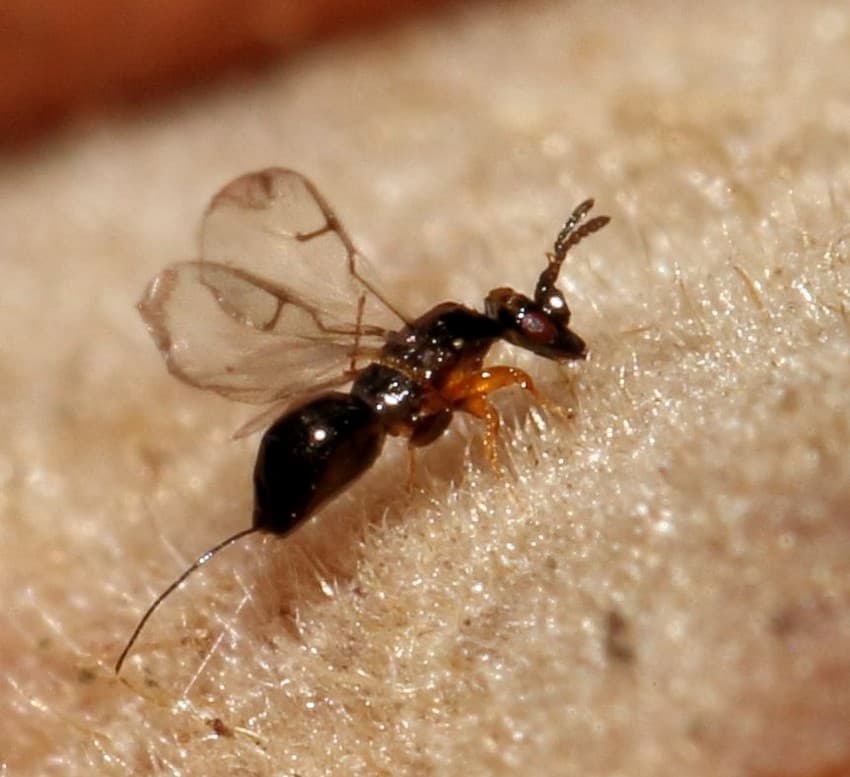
{"type": "Point", "coordinates": [573, 233]}
{"type": "Point", "coordinates": [201, 560]}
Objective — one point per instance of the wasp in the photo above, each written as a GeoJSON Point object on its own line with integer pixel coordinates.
{"type": "Point", "coordinates": [282, 309]}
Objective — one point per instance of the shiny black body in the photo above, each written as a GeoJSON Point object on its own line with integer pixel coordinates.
{"type": "Point", "coordinates": [311, 453]}
{"type": "Point", "coordinates": [307, 456]}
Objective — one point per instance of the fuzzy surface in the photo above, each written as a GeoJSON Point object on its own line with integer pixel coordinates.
{"type": "Point", "coordinates": [658, 584]}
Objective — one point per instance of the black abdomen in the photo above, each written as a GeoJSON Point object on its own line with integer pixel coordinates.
{"type": "Point", "coordinates": [308, 455]}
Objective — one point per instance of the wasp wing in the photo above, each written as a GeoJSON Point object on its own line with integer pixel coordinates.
{"type": "Point", "coordinates": [222, 330]}
{"type": "Point", "coordinates": [274, 224]}
{"type": "Point", "coordinates": [275, 307]}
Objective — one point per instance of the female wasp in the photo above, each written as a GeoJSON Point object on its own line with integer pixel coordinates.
{"type": "Point", "coordinates": [280, 310]}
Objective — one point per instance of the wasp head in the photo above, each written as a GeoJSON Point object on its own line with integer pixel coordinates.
{"type": "Point", "coordinates": [541, 325]}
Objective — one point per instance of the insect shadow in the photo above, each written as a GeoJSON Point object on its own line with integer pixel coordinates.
{"type": "Point", "coordinates": [281, 309]}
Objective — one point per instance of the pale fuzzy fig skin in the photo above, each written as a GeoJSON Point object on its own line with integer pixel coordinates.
{"type": "Point", "coordinates": [657, 587]}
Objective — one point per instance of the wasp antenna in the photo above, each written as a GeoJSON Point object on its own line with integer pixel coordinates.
{"type": "Point", "coordinates": [579, 234]}
{"type": "Point", "coordinates": [573, 231]}
{"type": "Point", "coordinates": [576, 216]}
{"type": "Point", "coordinates": [199, 562]}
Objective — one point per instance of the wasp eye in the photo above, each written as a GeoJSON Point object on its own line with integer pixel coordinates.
{"type": "Point", "coordinates": [537, 327]}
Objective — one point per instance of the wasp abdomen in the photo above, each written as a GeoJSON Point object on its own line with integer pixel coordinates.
{"type": "Point", "coordinates": [310, 454]}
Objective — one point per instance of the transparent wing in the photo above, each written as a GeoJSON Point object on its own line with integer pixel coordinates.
{"type": "Point", "coordinates": [275, 307]}
{"type": "Point", "coordinates": [274, 224]}
{"type": "Point", "coordinates": [222, 330]}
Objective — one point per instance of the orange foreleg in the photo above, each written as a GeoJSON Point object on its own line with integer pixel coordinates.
{"type": "Point", "coordinates": [468, 392]}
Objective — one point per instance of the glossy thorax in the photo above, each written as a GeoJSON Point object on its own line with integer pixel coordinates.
{"type": "Point", "coordinates": [403, 387]}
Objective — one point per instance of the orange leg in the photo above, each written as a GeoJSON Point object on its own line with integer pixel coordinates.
{"type": "Point", "coordinates": [468, 393]}
{"type": "Point", "coordinates": [485, 382]}
{"type": "Point", "coordinates": [478, 406]}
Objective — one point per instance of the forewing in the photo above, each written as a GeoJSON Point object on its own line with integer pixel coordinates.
{"type": "Point", "coordinates": [222, 329]}
{"type": "Point", "coordinates": [279, 303]}
{"type": "Point", "coordinates": [274, 225]}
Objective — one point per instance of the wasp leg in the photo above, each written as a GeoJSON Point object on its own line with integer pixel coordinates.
{"type": "Point", "coordinates": [411, 468]}
{"type": "Point", "coordinates": [565, 408]}
{"type": "Point", "coordinates": [478, 406]}
{"type": "Point", "coordinates": [468, 392]}
{"type": "Point", "coordinates": [361, 304]}
{"type": "Point", "coordinates": [484, 382]}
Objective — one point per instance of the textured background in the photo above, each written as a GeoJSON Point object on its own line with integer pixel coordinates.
{"type": "Point", "coordinates": [59, 66]}
{"type": "Point", "coordinates": [659, 588]}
